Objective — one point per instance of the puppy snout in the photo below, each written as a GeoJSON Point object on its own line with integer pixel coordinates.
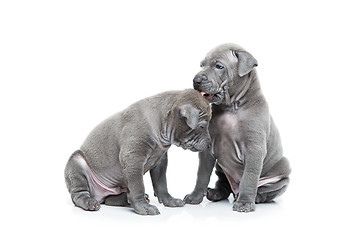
{"type": "Point", "coordinates": [200, 78]}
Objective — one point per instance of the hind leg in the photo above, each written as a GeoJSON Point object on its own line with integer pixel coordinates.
{"type": "Point", "coordinates": [77, 184]}
{"type": "Point", "coordinates": [268, 192]}
{"type": "Point", "coordinates": [117, 200]}
{"type": "Point", "coordinates": [222, 188]}
{"type": "Point", "coordinates": [120, 200]}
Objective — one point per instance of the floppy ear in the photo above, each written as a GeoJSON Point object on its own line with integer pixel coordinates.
{"type": "Point", "coordinates": [246, 62]}
{"type": "Point", "coordinates": [190, 114]}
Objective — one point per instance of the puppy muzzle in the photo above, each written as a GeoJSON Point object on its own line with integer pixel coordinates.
{"type": "Point", "coordinates": [197, 146]}
{"type": "Point", "coordinates": [214, 95]}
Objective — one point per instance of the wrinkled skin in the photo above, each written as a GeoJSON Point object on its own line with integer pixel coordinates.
{"type": "Point", "coordinates": [246, 147]}
{"type": "Point", "coordinates": [110, 164]}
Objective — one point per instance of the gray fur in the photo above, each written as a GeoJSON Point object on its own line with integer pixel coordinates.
{"type": "Point", "coordinates": [110, 164]}
{"type": "Point", "coordinates": [246, 146]}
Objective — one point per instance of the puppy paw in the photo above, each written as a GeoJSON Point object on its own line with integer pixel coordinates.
{"type": "Point", "coordinates": [169, 201]}
{"type": "Point", "coordinates": [92, 205]}
{"type": "Point", "coordinates": [194, 198]}
{"type": "Point", "coordinates": [145, 208]}
{"type": "Point", "coordinates": [217, 194]}
{"type": "Point", "coordinates": [173, 202]}
{"type": "Point", "coordinates": [244, 207]}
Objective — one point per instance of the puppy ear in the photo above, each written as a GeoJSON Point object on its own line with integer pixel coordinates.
{"type": "Point", "coordinates": [190, 114]}
{"type": "Point", "coordinates": [246, 62]}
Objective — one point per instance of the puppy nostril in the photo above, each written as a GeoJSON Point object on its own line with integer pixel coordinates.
{"type": "Point", "coordinates": [197, 80]}
{"type": "Point", "coordinates": [204, 78]}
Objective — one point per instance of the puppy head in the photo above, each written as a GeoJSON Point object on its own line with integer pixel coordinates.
{"type": "Point", "coordinates": [223, 67]}
{"type": "Point", "coordinates": [192, 115]}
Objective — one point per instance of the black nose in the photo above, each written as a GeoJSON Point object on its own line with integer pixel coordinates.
{"type": "Point", "coordinates": [199, 79]}
{"type": "Point", "coordinates": [208, 144]}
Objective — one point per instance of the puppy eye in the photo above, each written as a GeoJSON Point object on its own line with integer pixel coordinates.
{"type": "Point", "coordinates": [218, 66]}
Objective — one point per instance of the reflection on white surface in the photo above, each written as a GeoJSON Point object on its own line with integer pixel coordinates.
{"type": "Point", "coordinates": [217, 211]}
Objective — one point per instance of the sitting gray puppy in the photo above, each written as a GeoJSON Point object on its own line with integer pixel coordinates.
{"type": "Point", "coordinates": [246, 144]}
{"type": "Point", "coordinates": [110, 164]}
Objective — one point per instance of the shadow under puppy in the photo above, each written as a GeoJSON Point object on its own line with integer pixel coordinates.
{"type": "Point", "coordinates": [246, 145]}
{"type": "Point", "coordinates": [110, 164]}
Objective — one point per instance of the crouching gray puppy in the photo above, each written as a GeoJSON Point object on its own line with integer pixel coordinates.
{"type": "Point", "coordinates": [246, 144]}
{"type": "Point", "coordinates": [110, 164]}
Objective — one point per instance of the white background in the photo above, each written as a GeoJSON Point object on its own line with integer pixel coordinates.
{"type": "Point", "coordinates": [67, 65]}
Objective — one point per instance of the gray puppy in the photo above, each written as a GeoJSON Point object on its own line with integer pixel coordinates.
{"type": "Point", "coordinates": [246, 144]}
{"type": "Point", "coordinates": [110, 164]}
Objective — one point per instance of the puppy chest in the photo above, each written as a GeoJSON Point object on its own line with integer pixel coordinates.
{"type": "Point", "coordinates": [226, 149]}
{"type": "Point", "coordinates": [225, 122]}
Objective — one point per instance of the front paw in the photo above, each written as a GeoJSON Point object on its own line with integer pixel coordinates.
{"type": "Point", "coordinates": [217, 194]}
{"type": "Point", "coordinates": [195, 197]}
{"type": "Point", "coordinates": [144, 208]}
{"type": "Point", "coordinates": [169, 201]}
{"type": "Point", "coordinates": [91, 204]}
{"type": "Point", "coordinates": [244, 206]}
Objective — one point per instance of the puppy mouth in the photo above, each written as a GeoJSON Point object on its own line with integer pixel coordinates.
{"type": "Point", "coordinates": [188, 147]}
{"type": "Point", "coordinates": [212, 97]}
{"type": "Point", "coordinates": [206, 95]}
